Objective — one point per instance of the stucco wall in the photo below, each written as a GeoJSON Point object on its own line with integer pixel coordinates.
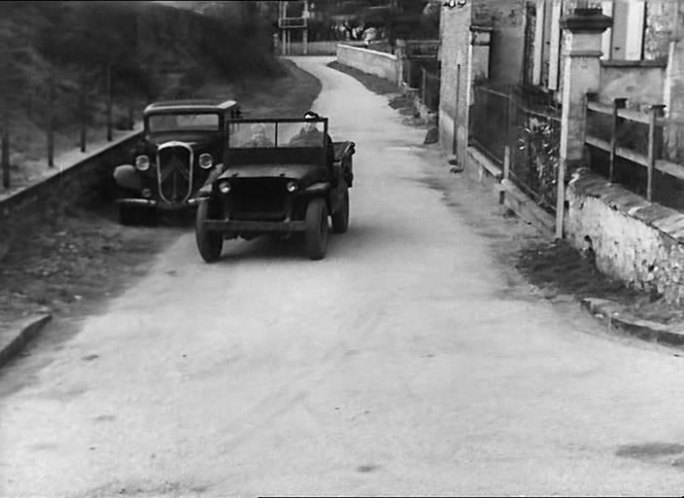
{"type": "Point", "coordinates": [641, 83]}
{"type": "Point", "coordinates": [661, 23]}
{"type": "Point", "coordinates": [635, 241]}
{"type": "Point", "coordinates": [369, 61]}
{"type": "Point", "coordinates": [453, 111]}
{"type": "Point", "coordinates": [508, 41]}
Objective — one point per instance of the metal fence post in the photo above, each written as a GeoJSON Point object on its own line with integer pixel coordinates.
{"type": "Point", "coordinates": [83, 115]}
{"type": "Point", "coordinates": [109, 102]}
{"type": "Point", "coordinates": [656, 112]}
{"type": "Point", "coordinates": [5, 154]}
{"type": "Point", "coordinates": [617, 105]}
{"type": "Point", "coordinates": [51, 123]}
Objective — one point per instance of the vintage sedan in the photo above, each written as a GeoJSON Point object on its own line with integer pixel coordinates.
{"type": "Point", "coordinates": [279, 176]}
{"type": "Point", "coordinates": [182, 144]}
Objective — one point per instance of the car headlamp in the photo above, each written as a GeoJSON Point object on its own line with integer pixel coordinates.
{"type": "Point", "coordinates": [292, 186]}
{"type": "Point", "coordinates": [142, 163]}
{"type": "Point", "coordinates": [224, 187]}
{"type": "Point", "coordinates": [206, 161]}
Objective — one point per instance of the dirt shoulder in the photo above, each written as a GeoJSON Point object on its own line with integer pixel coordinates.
{"type": "Point", "coordinates": [554, 267]}
{"type": "Point", "coordinates": [68, 264]}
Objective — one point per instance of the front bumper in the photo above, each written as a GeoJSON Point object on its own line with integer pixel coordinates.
{"type": "Point", "coordinates": [238, 226]}
{"type": "Point", "coordinates": [152, 203]}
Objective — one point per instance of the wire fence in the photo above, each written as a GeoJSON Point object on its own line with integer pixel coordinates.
{"type": "Point", "coordinates": [423, 74]}
{"type": "Point", "coordinates": [525, 122]}
{"type": "Point", "coordinates": [65, 112]}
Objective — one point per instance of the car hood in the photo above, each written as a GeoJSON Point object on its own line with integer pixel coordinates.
{"type": "Point", "coordinates": [304, 173]}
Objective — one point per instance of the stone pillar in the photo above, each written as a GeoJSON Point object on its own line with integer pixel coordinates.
{"type": "Point", "coordinates": [581, 75]}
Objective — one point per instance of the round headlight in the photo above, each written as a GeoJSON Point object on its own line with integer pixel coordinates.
{"type": "Point", "coordinates": [292, 186]}
{"type": "Point", "coordinates": [206, 161]}
{"type": "Point", "coordinates": [142, 163]}
{"type": "Point", "coordinates": [224, 187]}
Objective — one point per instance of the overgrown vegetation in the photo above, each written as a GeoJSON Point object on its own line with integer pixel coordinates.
{"type": "Point", "coordinates": [68, 57]}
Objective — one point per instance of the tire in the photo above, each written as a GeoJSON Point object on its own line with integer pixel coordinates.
{"type": "Point", "coordinates": [316, 229]}
{"type": "Point", "coordinates": [340, 219]}
{"type": "Point", "coordinates": [209, 243]}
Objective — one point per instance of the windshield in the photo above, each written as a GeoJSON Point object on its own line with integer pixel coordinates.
{"type": "Point", "coordinates": [269, 134]}
{"type": "Point", "coordinates": [186, 121]}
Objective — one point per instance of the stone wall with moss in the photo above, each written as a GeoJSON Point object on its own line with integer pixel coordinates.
{"type": "Point", "coordinates": [636, 241]}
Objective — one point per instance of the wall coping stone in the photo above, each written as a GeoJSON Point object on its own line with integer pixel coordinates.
{"type": "Point", "coordinates": [672, 224]}
{"type": "Point", "coordinates": [374, 52]}
{"type": "Point", "coordinates": [660, 64]}
{"type": "Point", "coordinates": [617, 198]}
{"type": "Point", "coordinates": [664, 219]}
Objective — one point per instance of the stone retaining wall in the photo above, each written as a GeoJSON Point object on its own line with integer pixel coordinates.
{"type": "Point", "coordinates": [381, 64]}
{"type": "Point", "coordinates": [633, 240]}
{"type": "Point", "coordinates": [88, 181]}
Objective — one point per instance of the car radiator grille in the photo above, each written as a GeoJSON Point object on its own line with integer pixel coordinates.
{"type": "Point", "coordinates": [175, 173]}
{"type": "Point", "coordinates": [258, 199]}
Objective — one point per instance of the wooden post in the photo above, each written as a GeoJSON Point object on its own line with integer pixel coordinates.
{"type": "Point", "coordinates": [423, 84]}
{"type": "Point", "coordinates": [507, 162]}
{"type": "Point", "coordinates": [109, 102]}
{"type": "Point", "coordinates": [506, 174]}
{"type": "Point", "coordinates": [656, 112]}
{"type": "Point", "coordinates": [617, 105]}
{"type": "Point", "coordinates": [511, 109]}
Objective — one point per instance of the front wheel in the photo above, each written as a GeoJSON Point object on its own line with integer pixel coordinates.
{"type": "Point", "coordinates": [209, 243]}
{"type": "Point", "coordinates": [340, 218]}
{"type": "Point", "coordinates": [316, 229]}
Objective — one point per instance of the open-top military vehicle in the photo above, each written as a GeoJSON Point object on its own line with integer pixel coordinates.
{"type": "Point", "coordinates": [278, 176]}
{"type": "Point", "coordinates": [182, 143]}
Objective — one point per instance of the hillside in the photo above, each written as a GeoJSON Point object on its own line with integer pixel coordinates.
{"type": "Point", "coordinates": [66, 56]}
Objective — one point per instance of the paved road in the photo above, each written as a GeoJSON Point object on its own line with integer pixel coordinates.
{"type": "Point", "coordinates": [410, 361]}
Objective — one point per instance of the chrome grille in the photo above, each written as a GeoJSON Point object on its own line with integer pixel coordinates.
{"type": "Point", "coordinates": [175, 172]}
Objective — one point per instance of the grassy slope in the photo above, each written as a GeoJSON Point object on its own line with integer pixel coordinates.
{"type": "Point", "coordinates": [156, 51]}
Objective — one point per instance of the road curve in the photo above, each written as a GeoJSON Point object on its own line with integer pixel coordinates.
{"type": "Point", "coordinates": [410, 361]}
